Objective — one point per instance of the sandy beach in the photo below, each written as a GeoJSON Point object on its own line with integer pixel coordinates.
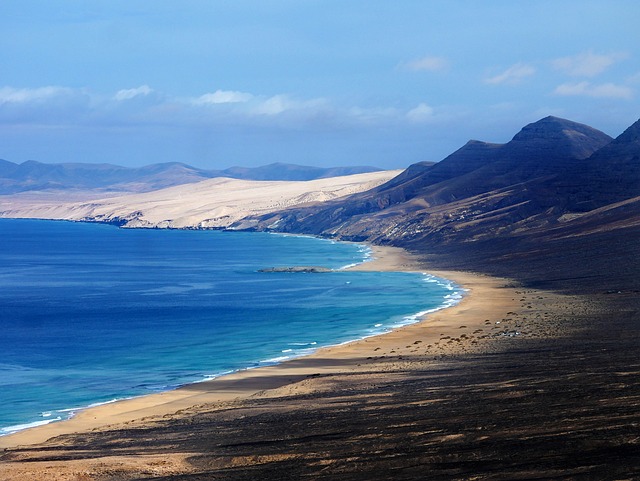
{"type": "Point", "coordinates": [249, 382]}
{"type": "Point", "coordinates": [511, 383]}
{"type": "Point", "coordinates": [489, 315]}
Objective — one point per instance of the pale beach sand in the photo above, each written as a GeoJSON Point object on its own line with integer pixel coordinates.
{"type": "Point", "coordinates": [455, 329]}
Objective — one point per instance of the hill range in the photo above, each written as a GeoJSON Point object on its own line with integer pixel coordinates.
{"type": "Point", "coordinates": [33, 176]}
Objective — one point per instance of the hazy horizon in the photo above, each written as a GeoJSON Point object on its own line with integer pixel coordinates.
{"type": "Point", "coordinates": [216, 84]}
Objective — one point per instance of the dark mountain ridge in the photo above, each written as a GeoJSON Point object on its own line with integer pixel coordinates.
{"type": "Point", "coordinates": [37, 176]}
{"type": "Point", "coordinates": [517, 181]}
{"type": "Point", "coordinates": [612, 174]}
{"type": "Point", "coordinates": [561, 202]}
{"type": "Point", "coordinates": [558, 139]}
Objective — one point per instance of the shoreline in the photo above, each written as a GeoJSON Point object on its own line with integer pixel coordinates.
{"type": "Point", "coordinates": [444, 323]}
{"type": "Point", "coordinates": [379, 262]}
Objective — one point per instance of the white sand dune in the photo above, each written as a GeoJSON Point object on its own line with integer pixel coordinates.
{"type": "Point", "coordinates": [213, 203]}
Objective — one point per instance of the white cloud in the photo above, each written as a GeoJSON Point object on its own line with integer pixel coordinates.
{"type": "Point", "coordinates": [607, 90]}
{"type": "Point", "coordinates": [420, 113]}
{"type": "Point", "coordinates": [514, 74]}
{"type": "Point", "coordinates": [223, 97]}
{"type": "Point", "coordinates": [587, 64]}
{"type": "Point", "coordinates": [11, 95]}
{"type": "Point", "coordinates": [57, 105]}
{"type": "Point", "coordinates": [128, 94]}
{"type": "Point", "coordinates": [371, 115]}
{"type": "Point", "coordinates": [427, 64]}
{"type": "Point", "coordinates": [274, 105]}
{"type": "Point", "coordinates": [279, 104]}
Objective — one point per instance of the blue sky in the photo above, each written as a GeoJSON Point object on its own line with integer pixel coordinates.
{"type": "Point", "coordinates": [217, 83]}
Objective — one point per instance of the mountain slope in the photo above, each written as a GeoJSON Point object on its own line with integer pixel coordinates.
{"type": "Point", "coordinates": [557, 207]}
{"type": "Point", "coordinates": [478, 191]}
{"type": "Point", "coordinates": [612, 174]}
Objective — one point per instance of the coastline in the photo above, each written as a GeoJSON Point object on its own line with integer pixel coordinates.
{"type": "Point", "coordinates": [328, 360]}
{"type": "Point", "coordinates": [493, 384]}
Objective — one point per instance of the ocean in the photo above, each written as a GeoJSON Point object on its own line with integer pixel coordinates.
{"type": "Point", "coordinates": [90, 313]}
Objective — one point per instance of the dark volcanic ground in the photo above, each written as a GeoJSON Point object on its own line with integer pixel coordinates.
{"type": "Point", "coordinates": [546, 410]}
{"type": "Point", "coordinates": [565, 407]}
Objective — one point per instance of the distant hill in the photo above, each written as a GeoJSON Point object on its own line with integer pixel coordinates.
{"type": "Point", "coordinates": [281, 171]}
{"type": "Point", "coordinates": [38, 176]}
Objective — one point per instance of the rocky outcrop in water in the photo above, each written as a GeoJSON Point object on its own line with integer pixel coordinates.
{"type": "Point", "coordinates": [298, 269]}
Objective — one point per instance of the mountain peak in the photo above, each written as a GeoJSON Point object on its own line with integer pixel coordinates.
{"type": "Point", "coordinates": [561, 138]}
{"type": "Point", "coordinates": [552, 127]}
{"type": "Point", "coordinates": [632, 134]}
{"type": "Point", "coordinates": [624, 152]}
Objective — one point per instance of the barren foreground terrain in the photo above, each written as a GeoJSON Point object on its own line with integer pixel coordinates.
{"type": "Point", "coordinates": [513, 383]}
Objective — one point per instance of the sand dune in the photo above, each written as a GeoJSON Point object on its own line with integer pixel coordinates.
{"type": "Point", "coordinates": [213, 203]}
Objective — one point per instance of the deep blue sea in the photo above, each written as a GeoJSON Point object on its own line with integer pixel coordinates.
{"type": "Point", "coordinates": [90, 313]}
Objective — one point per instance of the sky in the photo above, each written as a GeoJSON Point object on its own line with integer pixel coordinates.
{"type": "Point", "coordinates": [215, 83]}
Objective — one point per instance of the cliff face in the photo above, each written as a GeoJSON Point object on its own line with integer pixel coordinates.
{"type": "Point", "coordinates": [537, 180]}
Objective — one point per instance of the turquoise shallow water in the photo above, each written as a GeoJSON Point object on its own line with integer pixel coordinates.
{"type": "Point", "coordinates": [90, 313]}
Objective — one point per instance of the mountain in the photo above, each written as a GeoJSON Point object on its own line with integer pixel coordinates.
{"type": "Point", "coordinates": [38, 176]}
{"type": "Point", "coordinates": [612, 174]}
{"type": "Point", "coordinates": [560, 201]}
{"type": "Point", "coordinates": [281, 171]}
{"type": "Point", "coordinates": [478, 191]}
{"type": "Point", "coordinates": [6, 167]}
